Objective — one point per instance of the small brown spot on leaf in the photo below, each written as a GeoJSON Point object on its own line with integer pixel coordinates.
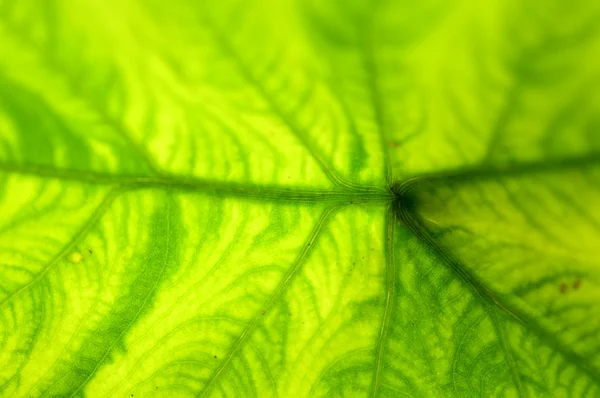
{"type": "Point", "coordinates": [563, 288]}
{"type": "Point", "coordinates": [577, 284]}
{"type": "Point", "coordinates": [262, 313]}
{"type": "Point", "coordinates": [393, 144]}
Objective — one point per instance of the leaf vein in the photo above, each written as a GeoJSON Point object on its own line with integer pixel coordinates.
{"type": "Point", "coordinates": [277, 294]}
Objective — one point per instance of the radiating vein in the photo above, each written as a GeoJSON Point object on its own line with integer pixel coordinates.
{"type": "Point", "coordinates": [468, 175]}
{"type": "Point", "coordinates": [210, 187]}
{"type": "Point", "coordinates": [390, 282]}
{"type": "Point", "coordinates": [115, 124]}
{"type": "Point", "coordinates": [492, 298]}
{"type": "Point", "coordinates": [79, 236]}
{"type": "Point", "coordinates": [367, 52]}
{"type": "Point", "coordinates": [502, 339]}
{"type": "Point", "coordinates": [277, 294]}
{"type": "Point", "coordinates": [147, 297]}
{"type": "Point", "coordinates": [249, 76]}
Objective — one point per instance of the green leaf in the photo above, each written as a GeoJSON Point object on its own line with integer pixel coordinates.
{"type": "Point", "coordinates": [299, 198]}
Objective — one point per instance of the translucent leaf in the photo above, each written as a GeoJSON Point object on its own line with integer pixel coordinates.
{"type": "Point", "coordinates": [299, 198]}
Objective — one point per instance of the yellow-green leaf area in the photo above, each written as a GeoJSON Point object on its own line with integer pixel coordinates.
{"type": "Point", "coordinates": [299, 198]}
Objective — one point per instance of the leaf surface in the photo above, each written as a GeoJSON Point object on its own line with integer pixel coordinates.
{"type": "Point", "coordinates": [299, 198]}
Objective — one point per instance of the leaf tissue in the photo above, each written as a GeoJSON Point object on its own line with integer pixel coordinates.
{"type": "Point", "coordinates": [299, 198]}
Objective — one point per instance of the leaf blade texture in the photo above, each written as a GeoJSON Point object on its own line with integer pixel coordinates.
{"type": "Point", "coordinates": [299, 198]}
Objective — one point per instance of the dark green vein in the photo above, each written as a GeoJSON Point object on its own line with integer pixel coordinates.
{"type": "Point", "coordinates": [390, 282]}
{"type": "Point", "coordinates": [372, 76]}
{"type": "Point", "coordinates": [277, 294]}
{"type": "Point", "coordinates": [506, 348]}
{"type": "Point", "coordinates": [249, 76]}
{"type": "Point", "coordinates": [79, 236]}
{"type": "Point", "coordinates": [474, 174]}
{"type": "Point", "coordinates": [162, 258]}
{"type": "Point", "coordinates": [211, 187]}
{"type": "Point", "coordinates": [115, 124]}
{"type": "Point", "coordinates": [492, 298]}
{"type": "Point", "coordinates": [503, 119]}
{"type": "Point", "coordinates": [522, 68]}
{"type": "Point", "coordinates": [30, 337]}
